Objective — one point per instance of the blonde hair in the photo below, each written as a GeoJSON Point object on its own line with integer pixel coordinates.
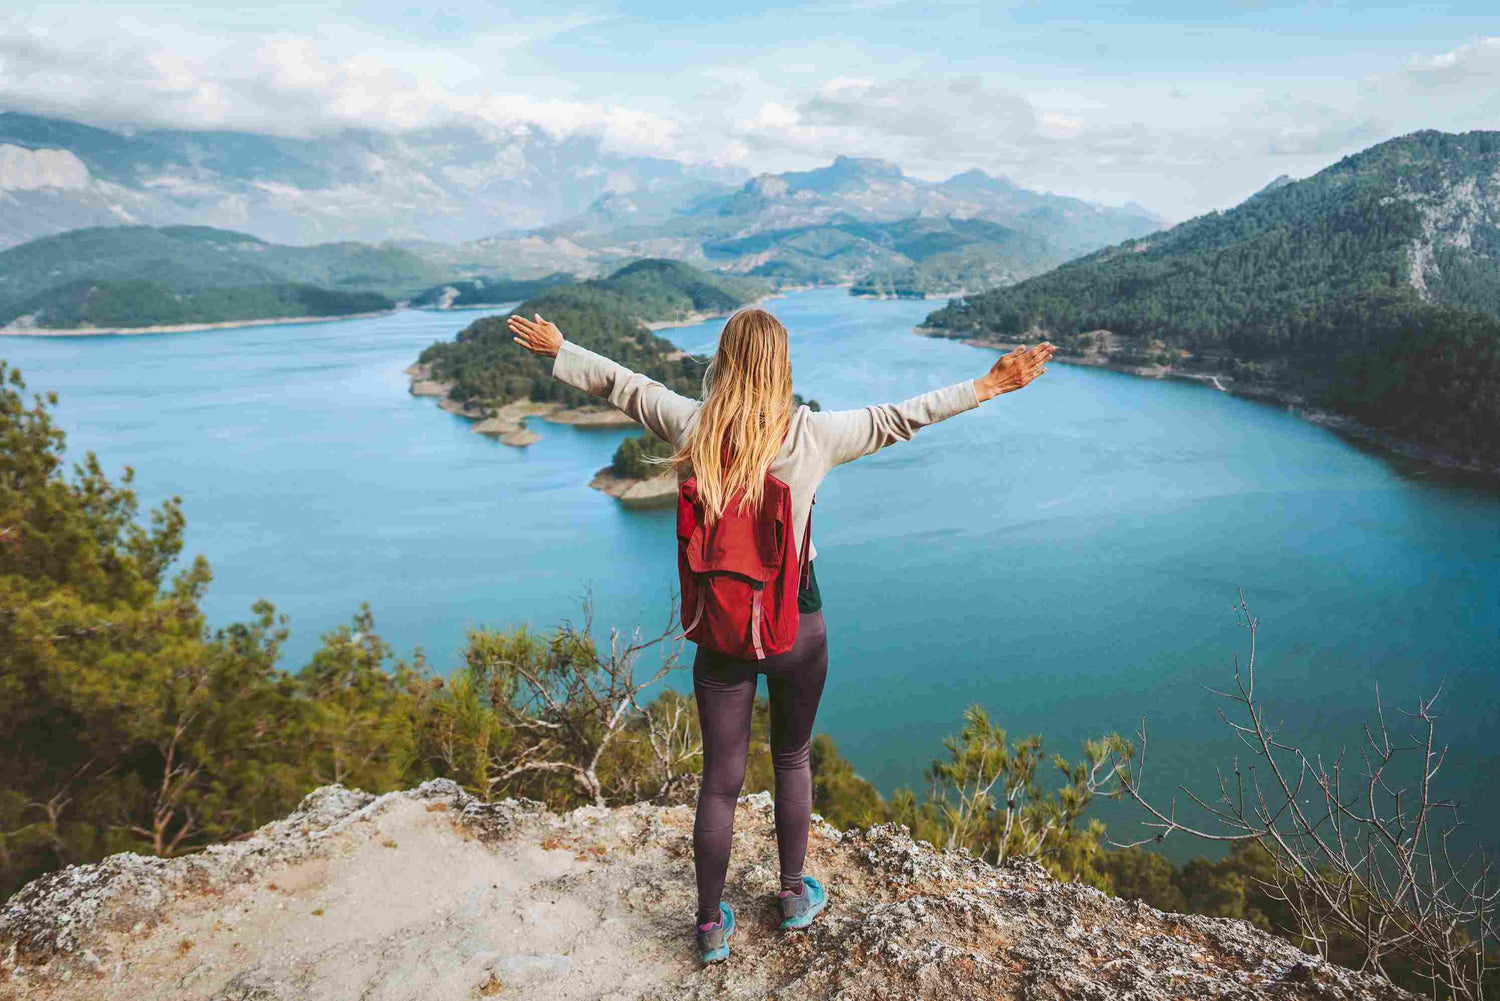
{"type": "Point", "coordinates": [747, 409]}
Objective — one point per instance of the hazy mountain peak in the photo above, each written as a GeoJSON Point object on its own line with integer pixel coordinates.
{"type": "Point", "coordinates": [1276, 185]}
{"type": "Point", "coordinates": [453, 182]}
{"type": "Point", "coordinates": [976, 179]}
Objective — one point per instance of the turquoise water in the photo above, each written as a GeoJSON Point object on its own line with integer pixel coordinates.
{"type": "Point", "coordinates": [1066, 556]}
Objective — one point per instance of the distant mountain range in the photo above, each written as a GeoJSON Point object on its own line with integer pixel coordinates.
{"type": "Point", "coordinates": [522, 204]}
{"type": "Point", "coordinates": [1372, 287]}
{"type": "Point", "coordinates": [445, 184]}
{"type": "Point", "coordinates": [857, 219]}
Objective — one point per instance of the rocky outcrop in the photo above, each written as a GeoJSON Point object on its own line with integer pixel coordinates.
{"type": "Point", "coordinates": [505, 422]}
{"type": "Point", "coordinates": [432, 894]}
{"type": "Point", "coordinates": [657, 491]}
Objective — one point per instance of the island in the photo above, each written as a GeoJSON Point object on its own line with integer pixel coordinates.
{"type": "Point", "coordinates": [481, 374]}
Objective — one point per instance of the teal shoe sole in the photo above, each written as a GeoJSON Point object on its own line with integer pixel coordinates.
{"type": "Point", "coordinates": [820, 901]}
{"type": "Point", "coordinates": [718, 955]}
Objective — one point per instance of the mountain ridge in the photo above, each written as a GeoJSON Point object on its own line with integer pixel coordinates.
{"type": "Point", "coordinates": [1372, 288]}
{"type": "Point", "coordinates": [449, 183]}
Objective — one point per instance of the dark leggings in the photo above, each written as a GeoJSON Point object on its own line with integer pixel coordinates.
{"type": "Point", "coordinates": [725, 690]}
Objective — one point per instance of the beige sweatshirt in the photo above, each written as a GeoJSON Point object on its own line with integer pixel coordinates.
{"type": "Point", "coordinates": [817, 441]}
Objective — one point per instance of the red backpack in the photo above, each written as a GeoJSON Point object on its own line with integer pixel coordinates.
{"type": "Point", "coordinates": [740, 575]}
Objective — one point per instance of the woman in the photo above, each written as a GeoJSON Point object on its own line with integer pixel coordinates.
{"type": "Point", "coordinates": [745, 426]}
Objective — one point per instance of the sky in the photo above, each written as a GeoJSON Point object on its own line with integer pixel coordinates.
{"type": "Point", "coordinates": [1183, 107]}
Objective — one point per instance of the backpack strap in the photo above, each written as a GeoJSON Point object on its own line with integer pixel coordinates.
{"type": "Point", "coordinates": [804, 558]}
{"type": "Point", "coordinates": [699, 615]}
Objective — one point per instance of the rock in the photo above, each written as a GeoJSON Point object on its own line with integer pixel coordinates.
{"type": "Point", "coordinates": [495, 425]}
{"type": "Point", "coordinates": [659, 491]}
{"type": "Point", "coordinates": [591, 417]}
{"type": "Point", "coordinates": [521, 436]}
{"type": "Point", "coordinates": [507, 899]}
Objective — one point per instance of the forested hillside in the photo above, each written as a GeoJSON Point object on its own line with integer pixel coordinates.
{"type": "Point", "coordinates": [1372, 287]}
{"type": "Point", "coordinates": [87, 303]}
{"type": "Point", "coordinates": [605, 315]}
{"type": "Point", "coordinates": [910, 257]}
{"type": "Point", "coordinates": [140, 275]}
{"type": "Point", "coordinates": [485, 291]}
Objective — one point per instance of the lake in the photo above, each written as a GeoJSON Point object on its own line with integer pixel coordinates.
{"type": "Point", "coordinates": [1067, 556]}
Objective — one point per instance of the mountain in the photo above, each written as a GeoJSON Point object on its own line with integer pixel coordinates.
{"type": "Point", "coordinates": [433, 893]}
{"type": "Point", "coordinates": [450, 184]}
{"type": "Point", "coordinates": [855, 220]}
{"type": "Point", "coordinates": [1373, 287]}
{"type": "Point", "coordinates": [140, 276]}
{"type": "Point", "coordinates": [878, 191]}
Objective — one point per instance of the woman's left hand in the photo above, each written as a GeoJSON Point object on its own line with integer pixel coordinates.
{"type": "Point", "coordinates": [537, 336]}
{"type": "Point", "coordinates": [1014, 371]}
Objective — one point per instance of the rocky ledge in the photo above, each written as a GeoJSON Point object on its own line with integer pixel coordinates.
{"type": "Point", "coordinates": [632, 491]}
{"type": "Point", "coordinates": [432, 894]}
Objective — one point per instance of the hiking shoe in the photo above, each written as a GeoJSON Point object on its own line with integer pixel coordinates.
{"type": "Point", "coordinates": [713, 941]}
{"type": "Point", "coordinates": [799, 909]}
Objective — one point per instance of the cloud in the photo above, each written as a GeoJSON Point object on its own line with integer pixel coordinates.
{"type": "Point", "coordinates": [1182, 145]}
{"type": "Point", "coordinates": [293, 84]}
{"type": "Point", "coordinates": [1462, 69]}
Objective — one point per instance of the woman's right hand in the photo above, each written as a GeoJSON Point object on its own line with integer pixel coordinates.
{"type": "Point", "coordinates": [537, 336]}
{"type": "Point", "coordinates": [1014, 370]}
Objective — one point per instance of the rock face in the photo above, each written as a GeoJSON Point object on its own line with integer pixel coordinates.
{"type": "Point", "coordinates": [431, 894]}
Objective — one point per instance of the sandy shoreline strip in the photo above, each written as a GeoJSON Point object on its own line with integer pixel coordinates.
{"type": "Point", "coordinates": [183, 328]}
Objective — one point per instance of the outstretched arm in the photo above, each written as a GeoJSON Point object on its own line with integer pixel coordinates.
{"type": "Point", "coordinates": [848, 434]}
{"type": "Point", "coordinates": [642, 399]}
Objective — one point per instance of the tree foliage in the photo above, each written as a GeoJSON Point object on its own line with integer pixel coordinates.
{"type": "Point", "coordinates": [1310, 285]}
{"type": "Point", "coordinates": [91, 303]}
{"type": "Point", "coordinates": [606, 315]}
{"type": "Point", "coordinates": [200, 264]}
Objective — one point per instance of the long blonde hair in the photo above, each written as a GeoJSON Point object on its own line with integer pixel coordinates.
{"type": "Point", "coordinates": [747, 409]}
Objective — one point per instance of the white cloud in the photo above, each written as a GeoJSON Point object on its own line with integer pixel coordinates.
{"type": "Point", "coordinates": [1181, 146]}
{"type": "Point", "coordinates": [1476, 64]}
{"type": "Point", "coordinates": [292, 84]}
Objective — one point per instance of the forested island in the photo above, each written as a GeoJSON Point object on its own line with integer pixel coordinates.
{"type": "Point", "coordinates": [1371, 290]}
{"type": "Point", "coordinates": [483, 375]}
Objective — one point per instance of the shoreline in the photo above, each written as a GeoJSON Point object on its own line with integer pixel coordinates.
{"type": "Point", "coordinates": [1293, 402]}
{"type": "Point", "coordinates": [465, 308]}
{"type": "Point", "coordinates": [911, 298]}
{"type": "Point", "coordinates": [508, 422]}
{"type": "Point", "coordinates": [184, 328]}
